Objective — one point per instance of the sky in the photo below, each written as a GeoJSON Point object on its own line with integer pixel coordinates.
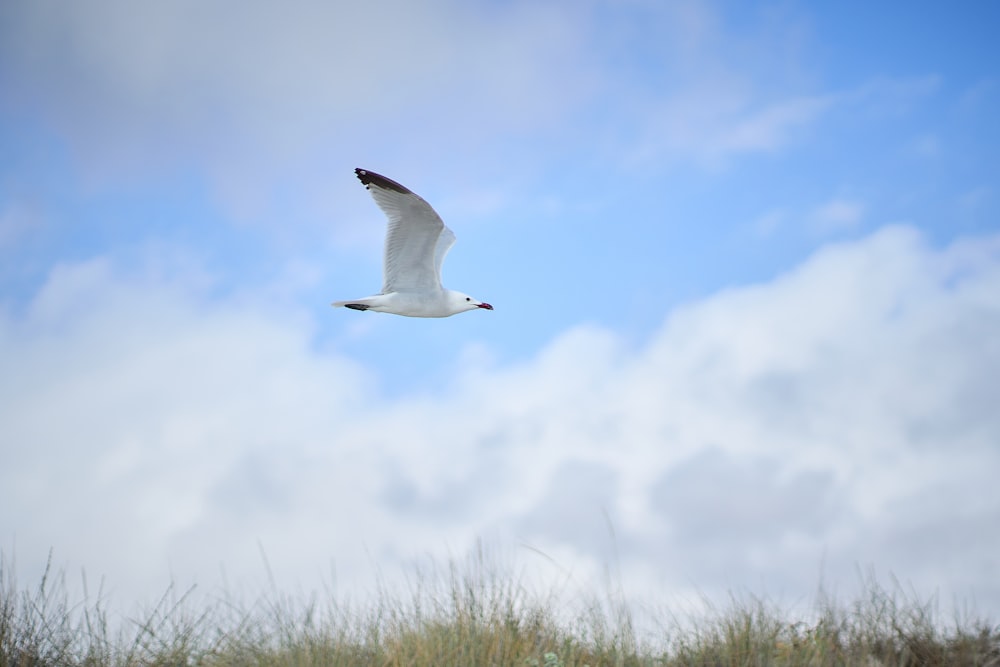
{"type": "Point", "coordinates": [744, 259]}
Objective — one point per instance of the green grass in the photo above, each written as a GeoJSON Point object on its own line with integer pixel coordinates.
{"type": "Point", "coordinates": [478, 614]}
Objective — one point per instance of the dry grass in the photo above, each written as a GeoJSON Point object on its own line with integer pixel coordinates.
{"type": "Point", "coordinates": [477, 614]}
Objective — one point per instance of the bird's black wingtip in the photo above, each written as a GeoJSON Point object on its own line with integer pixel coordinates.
{"type": "Point", "coordinates": [369, 178]}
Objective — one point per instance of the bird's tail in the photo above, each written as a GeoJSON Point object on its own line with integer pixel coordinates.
{"type": "Point", "coordinates": [355, 304]}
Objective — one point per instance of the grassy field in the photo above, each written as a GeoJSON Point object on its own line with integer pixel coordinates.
{"type": "Point", "coordinates": [478, 614]}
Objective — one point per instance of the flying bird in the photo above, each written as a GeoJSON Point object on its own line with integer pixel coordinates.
{"type": "Point", "coordinates": [415, 246]}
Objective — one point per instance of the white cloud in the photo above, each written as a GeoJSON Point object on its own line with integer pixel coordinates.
{"type": "Point", "coordinates": [841, 414]}
{"type": "Point", "coordinates": [735, 110]}
{"type": "Point", "coordinates": [279, 76]}
{"type": "Point", "coordinates": [258, 99]}
{"type": "Point", "coordinates": [711, 124]}
{"type": "Point", "coordinates": [837, 215]}
{"type": "Point", "coordinates": [269, 103]}
{"type": "Point", "coordinates": [260, 96]}
{"type": "Point", "coordinates": [706, 90]}
{"type": "Point", "coordinates": [17, 220]}
{"type": "Point", "coordinates": [766, 129]}
{"type": "Point", "coordinates": [767, 223]}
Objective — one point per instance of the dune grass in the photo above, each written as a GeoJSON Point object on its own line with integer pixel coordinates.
{"type": "Point", "coordinates": [475, 613]}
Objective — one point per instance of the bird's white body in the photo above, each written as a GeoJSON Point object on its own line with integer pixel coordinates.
{"type": "Point", "coordinates": [428, 303]}
{"type": "Point", "coordinates": [415, 246]}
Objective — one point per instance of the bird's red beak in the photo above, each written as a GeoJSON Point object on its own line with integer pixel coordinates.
{"type": "Point", "coordinates": [486, 306]}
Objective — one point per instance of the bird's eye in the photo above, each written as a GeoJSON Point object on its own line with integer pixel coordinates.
{"type": "Point", "coordinates": [468, 298]}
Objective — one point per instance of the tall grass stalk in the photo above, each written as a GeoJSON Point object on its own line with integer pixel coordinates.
{"type": "Point", "coordinates": [477, 613]}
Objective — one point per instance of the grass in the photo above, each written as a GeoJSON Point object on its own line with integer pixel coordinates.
{"type": "Point", "coordinates": [477, 614]}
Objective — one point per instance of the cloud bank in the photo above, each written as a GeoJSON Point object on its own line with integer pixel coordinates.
{"type": "Point", "coordinates": [265, 89]}
{"type": "Point", "coordinates": [840, 415]}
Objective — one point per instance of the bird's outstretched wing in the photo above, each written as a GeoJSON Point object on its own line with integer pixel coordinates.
{"type": "Point", "coordinates": [417, 239]}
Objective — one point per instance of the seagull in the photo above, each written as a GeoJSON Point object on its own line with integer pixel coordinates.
{"type": "Point", "coordinates": [415, 246]}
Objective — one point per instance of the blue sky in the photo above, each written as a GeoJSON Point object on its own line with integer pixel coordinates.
{"type": "Point", "coordinates": [745, 259]}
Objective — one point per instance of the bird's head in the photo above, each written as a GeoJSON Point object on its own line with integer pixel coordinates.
{"type": "Point", "coordinates": [463, 302]}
